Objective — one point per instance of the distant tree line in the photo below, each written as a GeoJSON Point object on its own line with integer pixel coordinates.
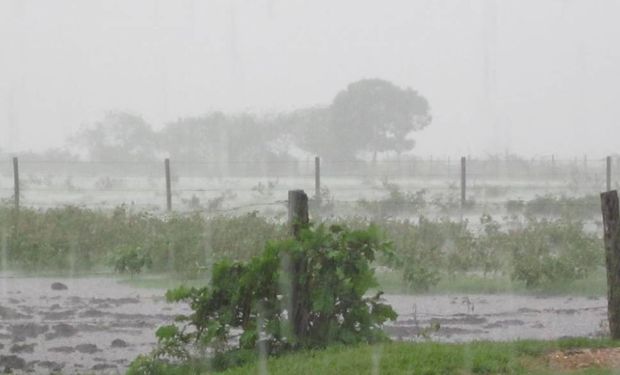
{"type": "Point", "coordinates": [370, 116]}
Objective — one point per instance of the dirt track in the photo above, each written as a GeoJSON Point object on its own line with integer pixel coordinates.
{"type": "Point", "coordinates": [97, 325]}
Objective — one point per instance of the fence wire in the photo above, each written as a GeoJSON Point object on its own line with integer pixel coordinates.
{"type": "Point", "coordinates": [236, 186]}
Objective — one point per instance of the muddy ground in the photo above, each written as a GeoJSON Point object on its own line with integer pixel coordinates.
{"type": "Point", "coordinates": [462, 318]}
{"type": "Point", "coordinates": [96, 325]}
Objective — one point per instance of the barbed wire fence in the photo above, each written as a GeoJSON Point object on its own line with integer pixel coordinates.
{"type": "Point", "coordinates": [230, 187]}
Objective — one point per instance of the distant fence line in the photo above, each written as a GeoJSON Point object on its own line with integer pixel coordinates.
{"type": "Point", "coordinates": [430, 167]}
{"type": "Point", "coordinates": [460, 173]}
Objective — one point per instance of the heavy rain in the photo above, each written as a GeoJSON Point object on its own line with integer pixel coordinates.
{"type": "Point", "coordinates": [301, 187]}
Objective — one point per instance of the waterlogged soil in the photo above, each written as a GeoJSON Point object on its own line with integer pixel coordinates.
{"type": "Point", "coordinates": [80, 325]}
{"type": "Point", "coordinates": [97, 325]}
{"type": "Point", "coordinates": [463, 318]}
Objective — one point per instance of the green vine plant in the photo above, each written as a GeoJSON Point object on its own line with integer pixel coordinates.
{"type": "Point", "coordinates": [303, 293]}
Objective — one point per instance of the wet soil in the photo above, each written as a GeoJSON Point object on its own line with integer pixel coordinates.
{"type": "Point", "coordinates": [578, 359]}
{"type": "Point", "coordinates": [451, 318]}
{"type": "Point", "coordinates": [87, 325]}
{"type": "Point", "coordinates": [97, 325]}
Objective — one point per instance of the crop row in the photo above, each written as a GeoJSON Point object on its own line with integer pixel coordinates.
{"type": "Point", "coordinates": [72, 239]}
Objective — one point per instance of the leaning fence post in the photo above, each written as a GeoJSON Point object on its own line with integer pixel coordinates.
{"type": "Point", "coordinates": [611, 235]}
{"type": "Point", "coordinates": [168, 185]}
{"type": "Point", "coordinates": [16, 182]}
{"type": "Point", "coordinates": [463, 181]}
{"type": "Point", "coordinates": [608, 173]}
{"type": "Point", "coordinates": [297, 211]}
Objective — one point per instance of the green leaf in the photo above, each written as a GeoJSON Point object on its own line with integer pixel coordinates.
{"type": "Point", "coordinates": [166, 332]}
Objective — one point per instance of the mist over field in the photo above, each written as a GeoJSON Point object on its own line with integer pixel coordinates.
{"type": "Point", "coordinates": [528, 78]}
{"type": "Point", "coordinates": [288, 186]}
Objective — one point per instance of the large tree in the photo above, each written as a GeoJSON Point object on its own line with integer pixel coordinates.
{"type": "Point", "coordinates": [374, 115]}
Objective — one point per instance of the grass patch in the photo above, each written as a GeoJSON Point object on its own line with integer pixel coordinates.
{"type": "Point", "coordinates": [595, 284]}
{"type": "Point", "coordinates": [484, 357]}
{"type": "Point", "coordinates": [519, 357]}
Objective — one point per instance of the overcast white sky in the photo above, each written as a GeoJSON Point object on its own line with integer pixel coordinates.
{"type": "Point", "coordinates": [534, 77]}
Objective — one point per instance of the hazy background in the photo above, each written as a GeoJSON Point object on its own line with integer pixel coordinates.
{"type": "Point", "coordinates": [529, 77]}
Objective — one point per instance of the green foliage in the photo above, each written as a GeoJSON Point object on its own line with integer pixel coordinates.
{"type": "Point", "coordinates": [145, 365]}
{"type": "Point", "coordinates": [418, 250]}
{"type": "Point", "coordinates": [486, 357]}
{"type": "Point", "coordinates": [539, 253]}
{"type": "Point", "coordinates": [549, 251]}
{"type": "Point", "coordinates": [490, 248]}
{"type": "Point", "coordinates": [427, 250]}
{"type": "Point", "coordinates": [59, 238]}
{"type": "Point", "coordinates": [241, 237]}
{"type": "Point", "coordinates": [308, 292]}
{"type": "Point", "coordinates": [78, 239]}
{"type": "Point", "coordinates": [130, 260]}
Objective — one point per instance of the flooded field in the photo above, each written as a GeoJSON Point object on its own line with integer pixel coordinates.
{"type": "Point", "coordinates": [462, 318]}
{"type": "Point", "coordinates": [77, 325]}
{"type": "Point", "coordinates": [98, 325]}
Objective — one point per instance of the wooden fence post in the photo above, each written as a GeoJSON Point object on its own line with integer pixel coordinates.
{"type": "Point", "coordinates": [611, 235]}
{"type": "Point", "coordinates": [463, 182]}
{"type": "Point", "coordinates": [16, 182]}
{"type": "Point", "coordinates": [608, 173]}
{"type": "Point", "coordinates": [168, 185]}
{"type": "Point", "coordinates": [317, 181]}
{"type": "Point", "coordinates": [297, 211]}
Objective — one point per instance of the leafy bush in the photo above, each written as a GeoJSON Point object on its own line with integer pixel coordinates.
{"type": "Point", "coordinates": [490, 247]}
{"type": "Point", "coordinates": [431, 248]}
{"type": "Point", "coordinates": [537, 253]}
{"type": "Point", "coordinates": [130, 260]}
{"type": "Point", "coordinates": [418, 252]}
{"type": "Point", "coordinates": [545, 252]}
{"type": "Point", "coordinates": [303, 293]}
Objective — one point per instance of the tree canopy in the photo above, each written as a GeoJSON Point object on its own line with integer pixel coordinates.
{"type": "Point", "coordinates": [375, 115]}
{"type": "Point", "coordinates": [369, 116]}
